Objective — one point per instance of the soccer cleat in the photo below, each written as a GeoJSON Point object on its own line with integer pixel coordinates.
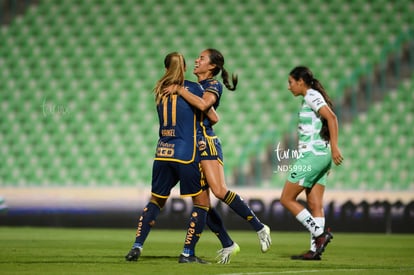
{"type": "Point", "coordinates": [133, 254]}
{"type": "Point", "coordinates": [321, 242]}
{"type": "Point", "coordinates": [224, 254]}
{"type": "Point", "coordinates": [190, 259]}
{"type": "Point", "coordinates": [264, 238]}
{"type": "Point", "coordinates": [308, 256]}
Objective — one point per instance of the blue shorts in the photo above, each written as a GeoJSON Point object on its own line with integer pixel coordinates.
{"type": "Point", "coordinates": [209, 148]}
{"type": "Point", "coordinates": [166, 174]}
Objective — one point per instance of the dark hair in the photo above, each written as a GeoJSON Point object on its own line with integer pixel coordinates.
{"type": "Point", "coordinates": [217, 59]}
{"type": "Point", "coordinates": [304, 73]}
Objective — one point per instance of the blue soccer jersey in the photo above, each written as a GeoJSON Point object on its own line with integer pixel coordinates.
{"type": "Point", "coordinates": [208, 143]}
{"type": "Point", "coordinates": [214, 86]}
{"type": "Point", "coordinates": [178, 125]}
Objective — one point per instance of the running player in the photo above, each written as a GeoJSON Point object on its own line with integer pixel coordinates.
{"type": "Point", "coordinates": [318, 146]}
{"type": "Point", "coordinates": [207, 66]}
{"type": "Point", "coordinates": [176, 160]}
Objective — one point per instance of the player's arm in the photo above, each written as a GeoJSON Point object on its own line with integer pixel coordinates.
{"type": "Point", "coordinates": [330, 117]}
{"type": "Point", "coordinates": [212, 115]}
{"type": "Point", "coordinates": [202, 103]}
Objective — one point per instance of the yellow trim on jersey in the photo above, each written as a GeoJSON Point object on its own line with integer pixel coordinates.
{"type": "Point", "coordinates": [174, 110]}
{"type": "Point", "coordinates": [192, 195]}
{"type": "Point", "coordinates": [202, 207]}
{"type": "Point", "coordinates": [159, 196]}
{"type": "Point", "coordinates": [156, 203]}
{"type": "Point", "coordinates": [213, 92]}
{"type": "Point", "coordinates": [165, 109]}
{"type": "Point", "coordinates": [203, 127]}
{"type": "Point", "coordinates": [211, 145]}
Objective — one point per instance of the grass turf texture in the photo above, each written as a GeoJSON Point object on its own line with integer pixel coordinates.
{"type": "Point", "coordinates": [25, 250]}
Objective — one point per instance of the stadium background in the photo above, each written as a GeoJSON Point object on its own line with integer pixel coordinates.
{"type": "Point", "coordinates": [78, 125]}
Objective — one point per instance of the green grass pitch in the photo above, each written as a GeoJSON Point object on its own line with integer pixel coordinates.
{"type": "Point", "coordinates": [27, 250]}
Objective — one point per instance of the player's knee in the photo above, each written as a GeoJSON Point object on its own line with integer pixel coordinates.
{"type": "Point", "coordinates": [219, 193]}
{"type": "Point", "coordinates": [285, 201]}
{"type": "Point", "coordinates": [202, 199]}
{"type": "Point", "coordinates": [159, 201]}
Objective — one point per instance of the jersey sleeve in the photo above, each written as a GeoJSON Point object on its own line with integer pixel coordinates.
{"type": "Point", "coordinates": [213, 87]}
{"type": "Point", "coordinates": [315, 100]}
{"type": "Point", "coordinates": [194, 88]}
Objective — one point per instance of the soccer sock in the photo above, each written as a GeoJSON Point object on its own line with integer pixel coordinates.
{"type": "Point", "coordinates": [242, 209]}
{"type": "Point", "coordinates": [321, 222]}
{"type": "Point", "coordinates": [305, 218]}
{"type": "Point", "coordinates": [195, 228]}
{"type": "Point", "coordinates": [146, 222]}
{"type": "Point", "coordinates": [216, 225]}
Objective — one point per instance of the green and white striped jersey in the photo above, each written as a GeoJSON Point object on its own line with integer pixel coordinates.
{"type": "Point", "coordinates": [310, 124]}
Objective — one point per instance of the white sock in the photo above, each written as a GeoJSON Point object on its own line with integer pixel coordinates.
{"type": "Point", "coordinates": [321, 222]}
{"type": "Point", "coordinates": [305, 218]}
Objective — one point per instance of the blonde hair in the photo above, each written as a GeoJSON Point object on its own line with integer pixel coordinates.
{"type": "Point", "coordinates": [175, 72]}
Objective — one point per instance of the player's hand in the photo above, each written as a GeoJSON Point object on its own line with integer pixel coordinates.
{"type": "Point", "coordinates": [337, 156]}
{"type": "Point", "coordinates": [172, 89]}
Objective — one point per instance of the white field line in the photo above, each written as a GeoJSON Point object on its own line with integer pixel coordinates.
{"type": "Point", "coordinates": [319, 271]}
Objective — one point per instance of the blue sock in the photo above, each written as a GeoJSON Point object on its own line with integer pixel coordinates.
{"type": "Point", "coordinates": [195, 228]}
{"type": "Point", "coordinates": [242, 209]}
{"type": "Point", "coordinates": [146, 222]}
{"type": "Point", "coordinates": [216, 225]}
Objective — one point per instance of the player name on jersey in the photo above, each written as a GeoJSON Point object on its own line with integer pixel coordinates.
{"type": "Point", "coordinates": [168, 132]}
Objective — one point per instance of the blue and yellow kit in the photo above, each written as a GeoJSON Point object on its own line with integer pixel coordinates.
{"type": "Point", "coordinates": [208, 143]}
{"type": "Point", "coordinates": [176, 157]}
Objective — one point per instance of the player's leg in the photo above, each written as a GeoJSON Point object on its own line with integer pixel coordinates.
{"type": "Point", "coordinates": [229, 247]}
{"type": "Point", "coordinates": [288, 199]}
{"type": "Point", "coordinates": [314, 198]}
{"type": "Point", "coordinates": [214, 173]}
{"type": "Point", "coordinates": [163, 180]}
{"type": "Point", "coordinates": [147, 219]}
{"type": "Point", "coordinates": [216, 225]}
{"type": "Point", "coordinates": [297, 181]}
{"type": "Point", "coordinates": [315, 193]}
{"type": "Point", "coordinates": [145, 222]}
{"type": "Point", "coordinates": [190, 177]}
{"type": "Point", "coordinates": [195, 228]}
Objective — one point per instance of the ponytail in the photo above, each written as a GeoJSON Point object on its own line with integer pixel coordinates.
{"type": "Point", "coordinates": [315, 84]}
{"type": "Point", "coordinates": [175, 72]}
{"type": "Point", "coordinates": [225, 77]}
{"type": "Point", "coordinates": [216, 58]}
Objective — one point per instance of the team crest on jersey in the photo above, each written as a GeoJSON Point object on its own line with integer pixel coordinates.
{"type": "Point", "coordinates": [202, 145]}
